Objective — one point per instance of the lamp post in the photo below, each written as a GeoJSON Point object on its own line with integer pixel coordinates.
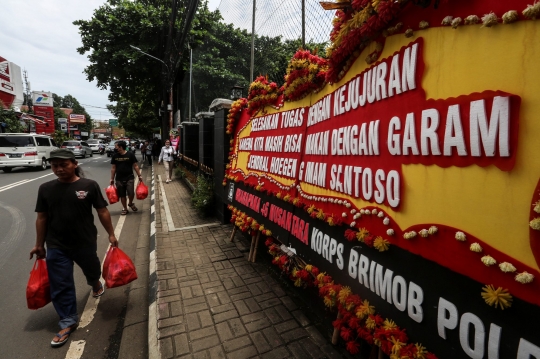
{"type": "Point", "coordinates": [236, 92]}
{"type": "Point", "coordinates": [169, 107]}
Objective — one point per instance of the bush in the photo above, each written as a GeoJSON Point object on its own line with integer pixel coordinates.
{"type": "Point", "coordinates": [203, 196]}
{"type": "Point", "coordinates": [179, 173]}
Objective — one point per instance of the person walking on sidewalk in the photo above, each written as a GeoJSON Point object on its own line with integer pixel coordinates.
{"type": "Point", "coordinates": [123, 163]}
{"type": "Point", "coordinates": [143, 150]}
{"type": "Point", "coordinates": [148, 151]}
{"type": "Point", "coordinates": [65, 223]}
{"type": "Point", "coordinates": [166, 156]}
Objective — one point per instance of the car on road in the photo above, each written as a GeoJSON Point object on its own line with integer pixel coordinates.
{"type": "Point", "coordinates": [94, 145]}
{"type": "Point", "coordinates": [79, 148]}
{"type": "Point", "coordinates": [25, 150]}
{"type": "Point", "coordinates": [110, 148]}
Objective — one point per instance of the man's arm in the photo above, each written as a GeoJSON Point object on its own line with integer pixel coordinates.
{"type": "Point", "coordinates": [113, 173]}
{"type": "Point", "coordinates": [105, 219]}
{"type": "Point", "coordinates": [137, 170]}
{"type": "Point", "coordinates": [41, 230]}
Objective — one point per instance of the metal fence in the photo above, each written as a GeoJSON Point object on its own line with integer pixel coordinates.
{"type": "Point", "coordinates": [274, 19]}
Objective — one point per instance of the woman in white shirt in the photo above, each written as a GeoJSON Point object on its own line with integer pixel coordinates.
{"type": "Point", "coordinates": [166, 156]}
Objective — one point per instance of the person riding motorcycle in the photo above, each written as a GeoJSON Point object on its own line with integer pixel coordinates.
{"type": "Point", "coordinates": [101, 148]}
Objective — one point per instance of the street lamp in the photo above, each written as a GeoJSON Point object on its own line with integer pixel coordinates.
{"type": "Point", "coordinates": [236, 92]}
{"type": "Point", "coordinates": [170, 90]}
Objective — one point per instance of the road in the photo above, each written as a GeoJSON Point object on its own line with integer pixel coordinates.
{"type": "Point", "coordinates": [26, 333]}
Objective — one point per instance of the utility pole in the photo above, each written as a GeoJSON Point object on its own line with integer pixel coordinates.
{"type": "Point", "coordinates": [253, 42]}
{"type": "Point", "coordinates": [304, 24]}
{"type": "Point", "coordinates": [190, 79]}
{"type": "Point", "coordinates": [27, 87]}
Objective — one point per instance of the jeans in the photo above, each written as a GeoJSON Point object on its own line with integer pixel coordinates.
{"type": "Point", "coordinates": [60, 270]}
{"type": "Point", "coordinates": [149, 158]}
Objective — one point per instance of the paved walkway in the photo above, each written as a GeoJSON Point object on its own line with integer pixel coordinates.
{"type": "Point", "coordinates": [212, 302]}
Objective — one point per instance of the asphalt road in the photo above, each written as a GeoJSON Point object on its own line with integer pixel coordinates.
{"type": "Point", "coordinates": [27, 333]}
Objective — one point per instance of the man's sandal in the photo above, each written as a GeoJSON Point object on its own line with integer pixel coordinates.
{"type": "Point", "coordinates": [124, 212]}
{"type": "Point", "coordinates": [63, 336]}
{"type": "Point", "coordinates": [133, 207]}
{"type": "Point", "coordinates": [100, 291]}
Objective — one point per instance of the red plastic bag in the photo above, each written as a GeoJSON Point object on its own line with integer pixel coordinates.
{"type": "Point", "coordinates": [38, 292]}
{"type": "Point", "coordinates": [111, 193]}
{"type": "Point", "coordinates": [118, 269]}
{"type": "Point", "coordinates": [142, 191]}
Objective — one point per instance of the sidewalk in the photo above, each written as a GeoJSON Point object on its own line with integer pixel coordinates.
{"type": "Point", "coordinates": [212, 302]}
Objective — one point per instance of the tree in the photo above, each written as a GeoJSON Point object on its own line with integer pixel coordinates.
{"type": "Point", "coordinates": [132, 78]}
{"type": "Point", "coordinates": [9, 122]}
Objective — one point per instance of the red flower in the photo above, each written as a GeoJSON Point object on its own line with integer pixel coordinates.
{"type": "Point", "coordinates": [354, 323]}
{"type": "Point", "coordinates": [431, 356]}
{"type": "Point", "coordinates": [338, 323]}
{"type": "Point", "coordinates": [269, 242]}
{"type": "Point", "coordinates": [346, 333]}
{"type": "Point", "coordinates": [353, 347]}
{"type": "Point", "coordinates": [369, 239]}
{"type": "Point", "coordinates": [315, 271]}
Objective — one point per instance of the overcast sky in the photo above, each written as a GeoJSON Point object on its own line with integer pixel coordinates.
{"type": "Point", "coordinates": [39, 36]}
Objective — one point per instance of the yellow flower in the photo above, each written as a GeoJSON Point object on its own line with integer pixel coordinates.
{"type": "Point", "coordinates": [370, 324]}
{"type": "Point", "coordinates": [343, 294]}
{"type": "Point", "coordinates": [396, 345]}
{"type": "Point", "coordinates": [497, 297]}
{"type": "Point", "coordinates": [328, 302]}
{"type": "Point", "coordinates": [389, 324]}
{"type": "Point", "coordinates": [364, 309]}
{"type": "Point", "coordinates": [381, 244]}
{"type": "Point", "coordinates": [311, 209]}
{"type": "Point", "coordinates": [308, 267]}
{"type": "Point", "coordinates": [320, 214]}
{"type": "Point", "coordinates": [298, 282]}
{"type": "Point", "coordinates": [420, 351]}
{"type": "Point", "coordinates": [361, 234]}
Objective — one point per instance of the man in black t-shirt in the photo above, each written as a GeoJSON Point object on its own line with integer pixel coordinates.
{"type": "Point", "coordinates": [66, 224]}
{"type": "Point", "coordinates": [123, 163]}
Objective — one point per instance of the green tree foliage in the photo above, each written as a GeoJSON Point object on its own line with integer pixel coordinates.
{"type": "Point", "coordinates": [135, 81]}
{"type": "Point", "coordinates": [9, 122]}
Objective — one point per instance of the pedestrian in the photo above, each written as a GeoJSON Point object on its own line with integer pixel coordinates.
{"type": "Point", "coordinates": [143, 150]}
{"type": "Point", "coordinates": [149, 147]}
{"type": "Point", "coordinates": [166, 155]}
{"type": "Point", "coordinates": [156, 149]}
{"type": "Point", "coordinates": [123, 163]}
{"type": "Point", "coordinates": [65, 223]}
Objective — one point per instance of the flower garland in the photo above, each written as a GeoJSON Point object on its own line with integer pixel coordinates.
{"type": "Point", "coordinates": [354, 29]}
{"type": "Point", "coordinates": [234, 113]}
{"type": "Point", "coordinates": [357, 319]}
{"type": "Point", "coordinates": [261, 94]}
{"type": "Point", "coordinates": [306, 73]}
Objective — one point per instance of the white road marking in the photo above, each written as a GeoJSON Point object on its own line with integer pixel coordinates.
{"type": "Point", "coordinates": [92, 303]}
{"type": "Point", "coordinates": [76, 349]}
{"type": "Point", "coordinates": [13, 185]}
{"type": "Point", "coordinates": [15, 233]}
{"type": "Point", "coordinates": [170, 222]}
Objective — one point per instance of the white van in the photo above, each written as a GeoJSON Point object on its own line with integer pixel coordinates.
{"type": "Point", "coordinates": [25, 150]}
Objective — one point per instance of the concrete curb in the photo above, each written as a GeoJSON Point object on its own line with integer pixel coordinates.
{"type": "Point", "coordinates": [153, 343]}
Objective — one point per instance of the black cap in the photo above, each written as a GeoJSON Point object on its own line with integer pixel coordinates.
{"type": "Point", "coordinates": [61, 153]}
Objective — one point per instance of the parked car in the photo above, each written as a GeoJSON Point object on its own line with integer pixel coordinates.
{"type": "Point", "coordinates": [94, 145]}
{"type": "Point", "coordinates": [110, 148]}
{"type": "Point", "coordinates": [79, 148]}
{"type": "Point", "coordinates": [25, 150]}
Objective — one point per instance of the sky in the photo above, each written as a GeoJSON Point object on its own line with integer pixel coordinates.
{"type": "Point", "coordinates": [39, 36]}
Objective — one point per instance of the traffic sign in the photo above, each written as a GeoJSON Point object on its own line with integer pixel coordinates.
{"type": "Point", "coordinates": [113, 122]}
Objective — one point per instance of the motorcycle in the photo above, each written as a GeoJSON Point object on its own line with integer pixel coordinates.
{"type": "Point", "coordinates": [101, 150]}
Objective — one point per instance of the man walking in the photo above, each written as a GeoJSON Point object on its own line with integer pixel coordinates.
{"type": "Point", "coordinates": [149, 147]}
{"type": "Point", "coordinates": [66, 224]}
{"type": "Point", "coordinates": [123, 163]}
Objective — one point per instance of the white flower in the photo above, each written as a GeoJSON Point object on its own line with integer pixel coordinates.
{"type": "Point", "coordinates": [386, 221]}
{"type": "Point", "coordinates": [348, 205]}
{"type": "Point", "coordinates": [460, 236]}
{"type": "Point", "coordinates": [475, 247]}
{"type": "Point", "coordinates": [344, 215]}
{"type": "Point", "coordinates": [537, 207]}
{"type": "Point", "coordinates": [432, 230]}
{"type": "Point", "coordinates": [409, 235]}
{"type": "Point", "coordinates": [524, 277]}
{"type": "Point", "coordinates": [381, 214]}
{"type": "Point", "coordinates": [362, 211]}
{"type": "Point", "coordinates": [353, 211]}
{"type": "Point", "coordinates": [331, 200]}
{"type": "Point", "coordinates": [374, 211]}
{"type": "Point", "coordinates": [353, 223]}
{"type": "Point", "coordinates": [424, 233]}
{"type": "Point", "coordinates": [339, 201]}
{"type": "Point", "coordinates": [356, 216]}
{"type": "Point", "coordinates": [535, 224]}
{"type": "Point", "coordinates": [507, 267]}
{"type": "Point", "coordinates": [367, 212]}
{"type": "Point", "coordinates": [390, 232]}
{"type": "Point", "coordinates": [488, 260]}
